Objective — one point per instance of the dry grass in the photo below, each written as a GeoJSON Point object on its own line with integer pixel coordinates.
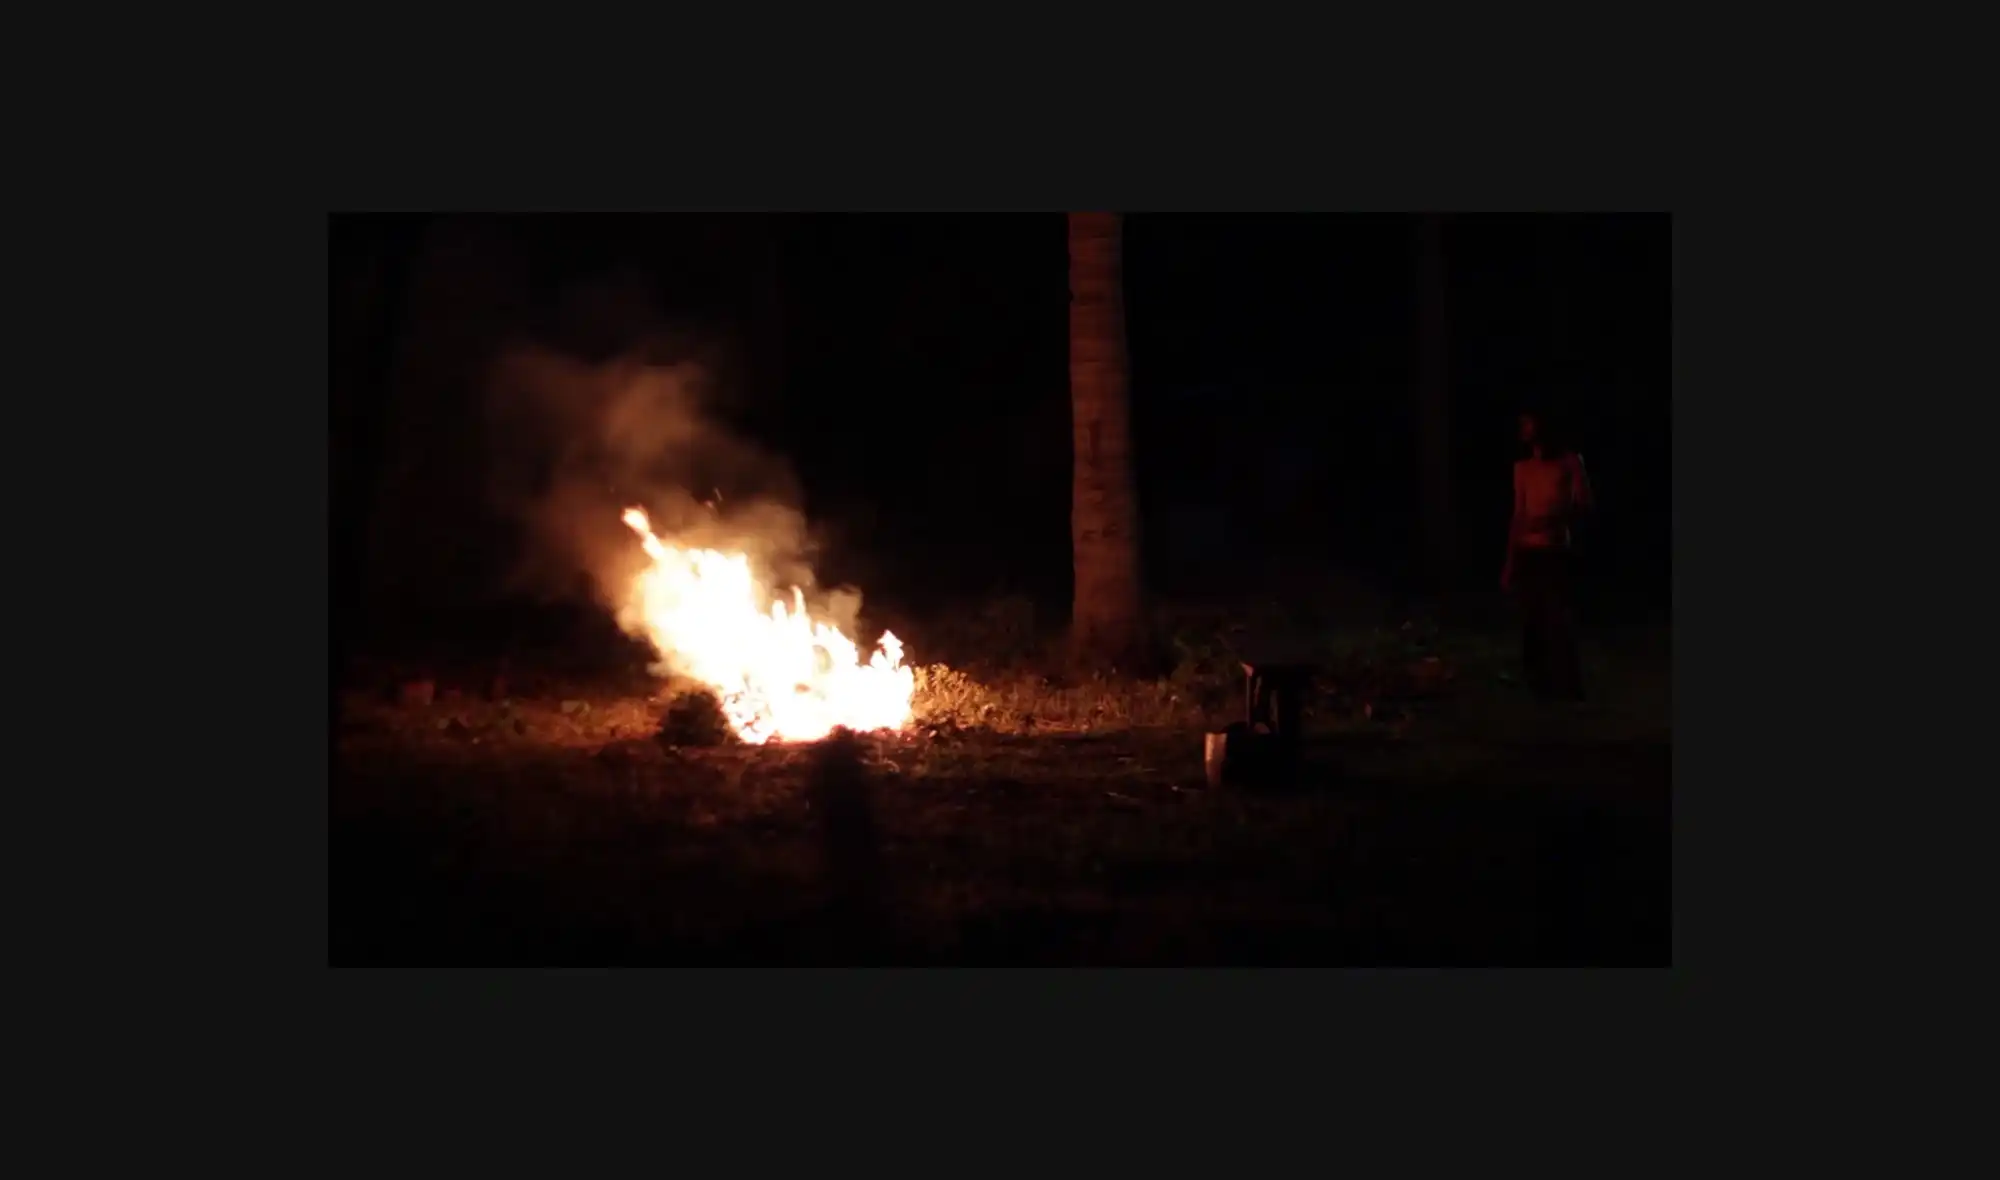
{"type": "Point", "coordinates": [1025, 818]}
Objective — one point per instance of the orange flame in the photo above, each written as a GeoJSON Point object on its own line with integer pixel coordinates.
{"type": "Point", "coordinates": [779, 674]}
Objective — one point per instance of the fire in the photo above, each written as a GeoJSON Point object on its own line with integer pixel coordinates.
{"type": "Point", "coordinates": [779, 674]}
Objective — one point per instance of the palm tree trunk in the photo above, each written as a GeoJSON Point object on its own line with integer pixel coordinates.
{"type": "Point", "coordinates": [1434, 403]}
{"type": "Point", "coordinates": [1106, 624]}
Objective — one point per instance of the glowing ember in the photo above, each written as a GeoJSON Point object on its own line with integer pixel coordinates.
{"type": "Point", "coordinates": [778, 673]}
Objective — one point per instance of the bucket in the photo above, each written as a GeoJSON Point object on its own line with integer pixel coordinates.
{"type": "Point", "coordinates": [1223, 753]}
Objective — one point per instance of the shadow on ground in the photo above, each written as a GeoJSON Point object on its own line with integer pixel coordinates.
{"type": "Point", "coordinates": [999, 850]}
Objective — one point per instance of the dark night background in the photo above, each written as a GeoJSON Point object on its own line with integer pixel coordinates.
{"type": "Point", "coordinates": [912, 369]}
{"type": "Point", "coordinates": [503, 792]}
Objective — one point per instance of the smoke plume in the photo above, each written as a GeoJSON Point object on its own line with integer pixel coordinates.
{"type": "Point", "coordinates": [575, 442]}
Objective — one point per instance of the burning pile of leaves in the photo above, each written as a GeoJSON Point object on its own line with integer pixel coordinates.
{"type": "Point", "coordinates": [1382, 679]}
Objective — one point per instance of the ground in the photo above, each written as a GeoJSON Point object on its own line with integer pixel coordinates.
{"type": "Point", "coordinates": [1443, 819]}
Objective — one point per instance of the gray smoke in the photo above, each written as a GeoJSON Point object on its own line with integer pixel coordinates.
{"type": "Point", "coordinates": [576, 442]}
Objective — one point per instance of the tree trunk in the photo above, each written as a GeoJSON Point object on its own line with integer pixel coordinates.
{"type": "Point", "coordinates": [1106, 623]}
{"type": "Point", "coordinates": [431, 546]}
{"type": "Point", "coordinates": [1433, 390]}
{"type": "Point", "coordinates": [370, 266]}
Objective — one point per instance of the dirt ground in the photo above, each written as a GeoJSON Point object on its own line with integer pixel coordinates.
{"type": "Point", "coordinates": [554, 829]}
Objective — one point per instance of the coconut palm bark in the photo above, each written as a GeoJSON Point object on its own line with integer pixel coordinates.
{"type": "Point", "coordinates": [1106, 618]}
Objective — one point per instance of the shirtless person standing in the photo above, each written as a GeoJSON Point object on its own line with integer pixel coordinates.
{"type": "Point", "coordinates": [1551, 493]}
